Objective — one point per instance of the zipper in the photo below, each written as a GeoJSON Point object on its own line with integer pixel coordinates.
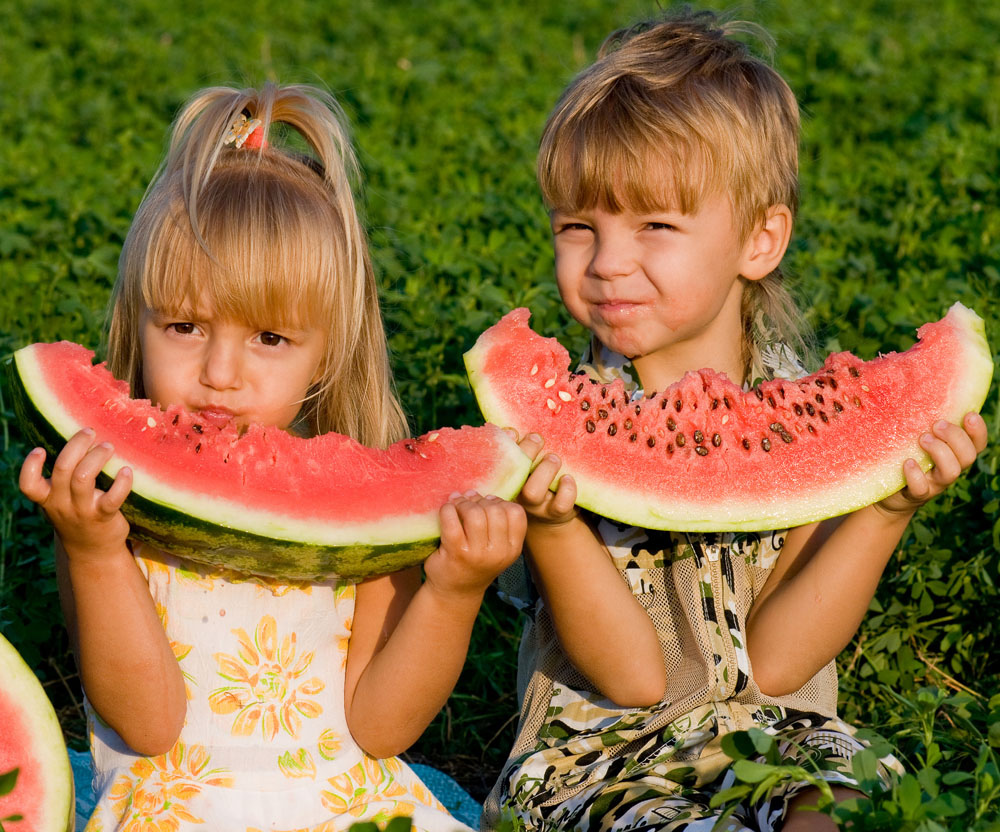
{"type": "Point", "coordinates": [713, 553]}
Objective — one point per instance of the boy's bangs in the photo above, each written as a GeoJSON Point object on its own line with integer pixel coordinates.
{"type": "Point", "coordinates": [245, 270]}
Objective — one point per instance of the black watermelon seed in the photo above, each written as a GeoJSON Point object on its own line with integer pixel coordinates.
{"type": "Point", "coordinates": [798, 409]}
{"type": "Point", "coordinates": [409, 446]}
{"type": "Point", "coordinates": [758, 393]}
{"type": "Point", "coordinates": [602, 414]}
{"type": "Point", "coordinates": [638, 410]}
{"type": "Point", "coordinates": [628, 424]}
{"type": "Point", "coordinates": [746, 443]}
{"type": "Point", "coordinates": [671, 424]}
{"type": "Point", "coordinates": [176, 417]}
{"type": "Point", "coordinates": [725, 401]}
{"type": "Point", "coordinates": [701, 450]}
{"type": "Point", "coordinates": [819, 398]}
{"type": "Point", "coordinates": [579, 387]}
{"type": "Point", "coordinates": [631, 437]}
{"type": "Point", "coordinates": [651, 441]}
{"type": "Point", "coordinates": [678, 405]}
{"type": "Point", "coordinates": [612, 429]}
{"type": "Point", "coordinates": [781, 392]}
{"type": "Point", "coordinates": [838, 407]}
{"type": "Point", "coordinates": [591, 427]}
{"type": "Point", "coordinates": [853, 371]}
{"type": "Point", "coordinates": [770, 401]}
{"type": "Point", "coordinates": [810, 428]}
{"type": "Point", "coordinates": [614, 404]}
{"type": "Point", "coordinates": [810, 409]}
{"type": "Point", "coordinates": [663, 404]}
{"type": "Point", "coordinates": [820, 383]}
{"type": "Point", "coordinates": [716, 440]}
{"type": "Point", "coordinates": [584, 405]}
{"type": "Point", "coordinates": [777, 427]}
{"type": "Point", "coordinates": [699, 437]}
{"type": "Point", "coordinates": [833, 383]}
{"type": "Point", "coordinates": [823, 417]}
{"type": "Point", "coordinates": [197, 448]}
{"type": "Point", "coordinates": [787, 437]}
{"type": "Point", "coordinates": [604, 392]}
{"type": "Point", "coordinates": [715, 403]}
{"type": "Point", "coordinates": [680, 440]}
{"type": "Point", "coordinates": [765, 443]}
{"type": "Point", "coordinates": [196, 428]}
{"type": "Point", "coordinates": [670, 447]}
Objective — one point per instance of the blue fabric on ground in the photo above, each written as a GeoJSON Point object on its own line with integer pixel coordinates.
{"type": "Point", "coordinates": [455, 799]}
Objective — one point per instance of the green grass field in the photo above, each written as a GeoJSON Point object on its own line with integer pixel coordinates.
{"type": "Point", "coordinates": [899, 218]}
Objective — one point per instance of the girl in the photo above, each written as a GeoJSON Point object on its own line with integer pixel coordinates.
{"type": "Point", "coordinates": [225, 701]}
{"type": "Point", "coordinates": [670, 168]}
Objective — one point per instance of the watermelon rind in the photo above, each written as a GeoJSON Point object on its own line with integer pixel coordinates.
{"type": "Point", "coordinates": [621, 498]}
{"type": "Point", "coordinates": [18, 684]}
{"type": "Point", "coordinates": [223, 533]}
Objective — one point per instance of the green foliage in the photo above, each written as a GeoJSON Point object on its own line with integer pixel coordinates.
{"type": "Point", "coordinates": [8, 780]}
{"type": "Point", "coordinates": [899, 218]}
{"type": "Point", "coordinates": [399, 824]}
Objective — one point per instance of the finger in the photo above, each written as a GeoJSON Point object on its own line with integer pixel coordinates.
{"type": "Point", "coordinates": [946, 466]}
{"type": "Point", "coordinates": [536, 489]}
{"type": "Point", "coordinates": [474, 522]}
{"type": "Point", "coordinates": [112, 500]}
{"type": "Point", "coordinates": [917, 484]}
{"type": "Point", "coordinates": [84, 479]}
{"type": "Point", "coordinates": [69, 457]}
{"type": "Point", "coordinates": [961, 444]}
{"type": "Point", "coordinates": [31, 482]}
{"type": "Point", "coordinates": [452, 534]}
{"type": "Point", "coordinates": [531, 444]}
{"type": "Point", "coordinates": [975, 426]}
{"type": "Point", "coordinates": [565, 496]}
{"type": "Point", "coordinates": [517, 526]}
{"type": "Point", "coordinates": [497, 535]}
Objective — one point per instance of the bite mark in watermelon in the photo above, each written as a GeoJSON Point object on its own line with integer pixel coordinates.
{"type": "Point", "coordinates": [31, 741]}
{"type": "Point", "coordinates": [261, 500]}
{"type": "Point", "coordinates": [705, 455]}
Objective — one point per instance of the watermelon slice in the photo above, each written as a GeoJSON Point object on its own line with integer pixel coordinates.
{"type": "Point", "coordinates": [31, 742]}
{"type": "Point", "coordinates": [261, 500]}
{"type": "Point", "coordinates": [704, 455]}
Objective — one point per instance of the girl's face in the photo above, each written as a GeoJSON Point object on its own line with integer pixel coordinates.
{"type": "Point", "coordinates": [226, 369]}
{"type": "Point", "coordinates": [662, 289]}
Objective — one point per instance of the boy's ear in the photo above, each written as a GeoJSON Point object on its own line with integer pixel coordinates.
{"type": "Point", "coordinates": [766, 246]}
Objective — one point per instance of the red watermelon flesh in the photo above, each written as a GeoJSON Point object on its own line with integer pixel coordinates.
{"type": "Point", "coordinates": [262, 500]}
{"type": "Point", "coordinates": [705, 455]}
{"type": "Point", "coordinates": [32, 742]}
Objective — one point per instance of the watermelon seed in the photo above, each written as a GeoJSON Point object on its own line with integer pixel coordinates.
{"type": "Point", "coordinates": [781, 392]}
{"type": "Point", "coordinates": [651, 441]}
{"type": "Point", "coordinates": [196, 428]}
{"type": "Point", "coordinates": [628, 424]}
{"type": "Point", "coordinates": [670, 447]}
{"type": "Point", "coordinates": [824, 417]}
{"type": "Point", "coordinates": [853, 371]}
{"type": "Point", "coordinates": [699, 437]}
{"type": "Point", "coordinates": [810, 409]}
{"type": "Point", "coordinates": [715, 403]}
{"type": "Point", "coordinates": [602, 414]}
{"type": "Point", "coordinates": [770, 401]}
{"type": "Point", "coordinates": [838, 407]}
{"type": "Point", "coordinates": [810, 428]}
{"type": "Point", "coordinates": [798, 409]}
{"type": "Point", "coordinates": [820, 383]}
{"type": "Point", "coordinates": [671, 424]}
{"type": "Point", "coordinates": [604, 392]}
{"type": "Point", "coordinates": [565, 396]}
{"type": "Point", "coordinates": [758, 393]}
{"type": "Point", "coordinates": [197, 448]}
{"type": "Point", "coordinates": [725, 401]}
{"type": "Point", "coordinates": [819, 398]}
{"type": "Point", "coordinates": [534, 369]}
{"type": "Point", "coordinates": [433, 437]}
{"type": "Point", "coordinates": [591, 427]}
{"type": "Point", "coordinates": [833, 384]}
{"type": "Point", "coordinates": [865, 388]}
{"type": "Point", "coordinates": [716, 440]}
{"type": "Point", "coordinates": [638, 410]}
{"type": "Point", "coordinates": [579, 388]}
{"type": "Point", "coordinates": [663, 404]}
{"type": "Point", "coordinates": [408, 446]}
{"type": "Point", "coordinates": [777, 427]}
{"type": "Point", "coordinates": [612, 429]}
{"type": "Point", "coordinates": [549, 383]}
{"type": "Point", "coordinates": [177, 417]}
{"type": "Point", "coordinates": [725, 418]}
{"type": "Point", "coordinates": [857, 401]}
{"type": "Point", "coordinates": [678, 405]}
{"type": "Point", "coordinates": [614, 404]}
{"type": "Point", "coordinates": [746, 443]}
{"type": "Point", "coordinates": [631, 438]}
{"type": "Point", "coordinates": [584, 405]}
{"type": "Point", "coordinates": [551, 404]}
{"type": "Point", "coordinates": [765, 443]}
{"type": "Point", "coordinates": [422, 454]}
{"type": "Point", "coordinates": [701, 450]}
{"type": "Point", "coordinates": [680, 440]}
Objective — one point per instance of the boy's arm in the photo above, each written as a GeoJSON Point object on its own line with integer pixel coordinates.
{"type": "Point", "coordinates": [127, 666]}
{"type": "Point", "coordinates": [603, 629]}
{"type": "Point", "coordinates": [409, 640]}
{"type": "Point", "coordinates": [814, 601]}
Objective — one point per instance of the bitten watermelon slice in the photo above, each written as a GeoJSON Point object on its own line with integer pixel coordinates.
{"type": "Point", "coordinates": [31, 741]}
{"type": "Point", "coordinates": [261, 501]}
{"type": "Point", "coordinates": [704, 455]}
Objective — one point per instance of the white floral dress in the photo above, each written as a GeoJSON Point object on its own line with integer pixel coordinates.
{"type": "Point", "coordinates": [265, 743]}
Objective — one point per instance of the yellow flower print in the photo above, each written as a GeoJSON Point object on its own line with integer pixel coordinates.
{"type": "Point", "coordinates": [299, 764]}
{"type": "Point", "coordinates": [162, 785]}
{"type": "Point", "coordinates": [268, 689]}
{"type": "Point", "coordinates": [344, 642]}
{"type": "Point", "coordinates": [180, 650]}
{"type": "Point", "coordinates": [329, 744]}
{"type": "Point", "coordinates": [368, 781]}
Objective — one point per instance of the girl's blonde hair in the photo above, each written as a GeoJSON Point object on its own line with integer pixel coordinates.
{"type": "Point", "coordinates": [672, 112]}
{"type": "Point", "coordinates": [267, 236]}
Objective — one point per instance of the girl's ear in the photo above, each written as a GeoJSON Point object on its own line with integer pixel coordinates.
{"type": "Point", "coordinates": [766, 246]}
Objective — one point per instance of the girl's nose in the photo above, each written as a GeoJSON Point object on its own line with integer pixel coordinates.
{"type": "Point", "coordinates": [221, 367]}
{"type": "Point", "coordinates": [611, 258]}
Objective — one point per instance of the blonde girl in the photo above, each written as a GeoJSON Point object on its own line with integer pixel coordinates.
{"type": "Point", "coordinates": [224, 701]}
{"type": "Point", "coordinates": [670, 171]}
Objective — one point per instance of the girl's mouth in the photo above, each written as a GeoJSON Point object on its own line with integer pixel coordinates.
{"type": "Point", "coordinates": [216, 416]}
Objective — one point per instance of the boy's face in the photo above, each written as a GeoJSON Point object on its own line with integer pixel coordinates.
{"type": "Point", "coordinates": [660, 288]}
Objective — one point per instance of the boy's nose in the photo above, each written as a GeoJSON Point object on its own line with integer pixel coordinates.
{"type": "Point", "coordinates": [222, 365]}
{"type": "Point", "coordinates": [611, 259]}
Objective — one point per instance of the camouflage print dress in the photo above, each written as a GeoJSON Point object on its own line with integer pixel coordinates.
{"type": "Point", "coordinates": [582, 763]}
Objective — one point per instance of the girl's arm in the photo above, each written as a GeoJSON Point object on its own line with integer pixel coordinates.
{"type": "Point", "coordinates": [126, 664]}
{"type": "Point", "coordinates": [825, 578]}
{"type": "Point", "coordinates": [603, 629]}
{"type": "Point", "coordinates": [409, 640]}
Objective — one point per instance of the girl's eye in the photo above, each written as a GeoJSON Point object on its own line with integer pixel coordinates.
{"type": "Point", "coordinates": [271, 339]}
{"type": "Point", "coordinates": [182, 327]}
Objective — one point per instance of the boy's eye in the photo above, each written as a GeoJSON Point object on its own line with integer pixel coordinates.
{"type": "Point", "coordinates": [572, 226]}
{"type": "Point", "coordinates": [182, 327]}
{"type": "Point", "coordinates": [271, 339]}
{"type": "Point", "coordinates": [660, 225]}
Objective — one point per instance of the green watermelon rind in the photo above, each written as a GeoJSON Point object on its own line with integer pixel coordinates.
{"type": "Point", "coordinates": [883, 479]}
{"type": "Point", "coordinates": [18, 683]}
{"type": "Point", "coordinates": [280, 553]}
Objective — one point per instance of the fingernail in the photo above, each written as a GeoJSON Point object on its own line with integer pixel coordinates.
{"type": "Point", "coordinates": [37, 452]}
{"type": "Point", "coordinates": [125, 470]}
{"type": "Point", "coordinates": [534, 437]}
{"type": "Point", "coordinates": [106, 445]}
{"type": "Point", "coordinates": [470, 493]}
{"type": "Point", "coordinates": [926, 439]}
{"type": "Point", "coordinates": [555, 459]}
{"type": "Point", "coordinates": [88, 431]}
{"type": "Point", "coordinates": [941, 424]}
{"type": "Point", "coordinates": [453, 495]}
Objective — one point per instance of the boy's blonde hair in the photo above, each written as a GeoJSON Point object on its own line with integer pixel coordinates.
{"type": "Point", "coordinates": [672, 112]}
{"type": "Point", "coordinates": [267, 236]}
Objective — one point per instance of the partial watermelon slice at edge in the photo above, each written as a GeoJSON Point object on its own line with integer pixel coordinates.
{"type": "Point", "coordinates": [772, 467]}
{"type": "Point", "coordinates": [32, 741]}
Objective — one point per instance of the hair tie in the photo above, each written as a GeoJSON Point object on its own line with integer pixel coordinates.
{"type": "Point", "coordinates": [246, 131]}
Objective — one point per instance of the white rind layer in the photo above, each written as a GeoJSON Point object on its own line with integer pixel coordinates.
{"type": "Point", "coordinates": [19, 684]}
{"type": "Point", "coordinates": [389, 530]}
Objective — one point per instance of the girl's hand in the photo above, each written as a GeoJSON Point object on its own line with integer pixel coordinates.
{"type": "Point", "coordinates": [952, 449]}
{"type": "Point", "coordinates": [480, 537]}
{"type": "Point", "coordinates": [542, 505]}
{"type": "Point", "coordinates": [88, 521]}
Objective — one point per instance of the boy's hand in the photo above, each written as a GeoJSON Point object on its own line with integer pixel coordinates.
{"type": "Point", "coordinates": [952, 449]}
{"type": "Point", "coordinates": [480, 537]}
{"type": "Point", "coordinates": [88, 521]}
{"type": "Point", "coordinates": [544, 506]}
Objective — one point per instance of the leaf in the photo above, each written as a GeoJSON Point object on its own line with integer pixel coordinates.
{"type": "Point", "coordinates": [8, 780]}
{"type": "Point", "coordinates": [738, 745]}
{"type": "Point", "coordinates": [751, 772]}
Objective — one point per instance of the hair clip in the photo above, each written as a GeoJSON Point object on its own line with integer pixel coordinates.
{"type": "Point", "coordinates": [246, 130]}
